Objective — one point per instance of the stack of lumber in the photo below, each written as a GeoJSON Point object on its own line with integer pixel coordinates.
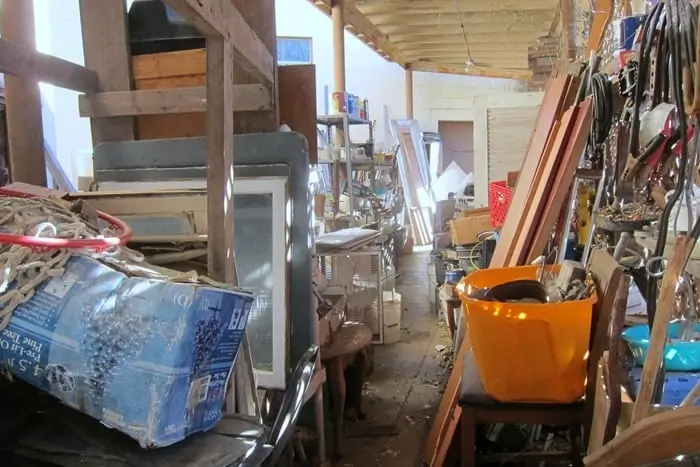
{"type": "Point", "coordinates": [547, 174]}
{"type": "Point", "coordinates": [541, 195]}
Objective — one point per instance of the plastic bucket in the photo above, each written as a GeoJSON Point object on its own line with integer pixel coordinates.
{"type": "Point", "coordinates": [527, 352]}
{"type": "Point", "coordinates": [392, 317]}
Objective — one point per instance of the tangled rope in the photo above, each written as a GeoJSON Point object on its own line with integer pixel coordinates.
{"type": "Point", "coordinates": [24, 268]}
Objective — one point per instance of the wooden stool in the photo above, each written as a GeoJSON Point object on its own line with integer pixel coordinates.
{"type": "Point", "coordinates": [349, 345]}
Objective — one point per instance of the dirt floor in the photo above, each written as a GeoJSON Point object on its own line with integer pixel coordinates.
{"type": "Point", "coordinates": [404, 390]}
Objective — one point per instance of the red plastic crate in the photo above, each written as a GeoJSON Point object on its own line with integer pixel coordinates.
{"type": "Point", "coordinates": [499, 200]}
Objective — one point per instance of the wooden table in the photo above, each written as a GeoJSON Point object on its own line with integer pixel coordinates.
{"type": "Point", "coordinates": [352, 339]}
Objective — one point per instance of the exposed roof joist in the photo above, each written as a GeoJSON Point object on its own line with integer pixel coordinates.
{"type": "Point", "coordinates": [429, 35]}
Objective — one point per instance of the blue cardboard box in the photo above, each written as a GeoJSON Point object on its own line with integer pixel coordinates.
{"type": "Point", "coordinates": [151, 358]}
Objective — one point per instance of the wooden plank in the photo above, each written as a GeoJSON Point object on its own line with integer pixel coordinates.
{"type": "Point", "coordinates": [548, 114]}
{"type": "Point", "coordinates": [297, 103]}
{"type": "Point", "coordinates": [602, 14]}
{"type": "Point", "coordinates": [563, 180]}
{"type": "Point", "coordinates": [659, 331]}
{"type": "Point", "coordinates": [220, 244]}
{"type": "Point", "coordinates": [106, 51]}
{"type": "Point", "coordinates": [169, 64]}
{"type": "Point", "coordinates": [448, 414]}
{"type": "Point", "coordinates": [224, 19]}
{"type": "Point", "coordinates": [25, 138]}
{"type": "Point", "coordinates": [24, 62]}
{"type": "Point", "coordinates": [538, 197]}
{"type": "Point", "coordinates": [247, 97]}
{"type": "Point", "coordinates": [546, 170]}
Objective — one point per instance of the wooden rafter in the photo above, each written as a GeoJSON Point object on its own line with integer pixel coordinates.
{"type": "Point", "coordinates": [459, 69]}
{"type": "Point", "coordinates": [369, 7]}
{"type": "Point", "coordinates": [432, 33]}
{"type": "Point", "coordinates": [418, 18]}
{"type": "Point", "coordinates": [365, 30]}
{"type": "Point", "coordinates": [222, 18]}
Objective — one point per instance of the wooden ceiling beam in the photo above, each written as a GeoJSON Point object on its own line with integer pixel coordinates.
{"type": "Point", "coordinates": [505, 18]}
{"type": "Point", "coordinates": [223, 19]}
{"type": "Point", "coordinates": [458, 69]}
{"type": "Point", "coordinates": [494, 40]}
{"type": "Point", "coordinates": [394, 32]}
{"type": "Point", "coordinates": [492, 62]}
{"type": "Point", "coordinates": [363, 29]}
{"type": "Point", "coordinates": [482, 59]}
{"type": "Point", "coordinates": [369, 7]}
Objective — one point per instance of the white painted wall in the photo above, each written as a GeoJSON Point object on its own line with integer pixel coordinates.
{"type": "Point", "coordinates": [436, 96]}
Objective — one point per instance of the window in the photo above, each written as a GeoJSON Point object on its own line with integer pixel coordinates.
{"type": "Point", "coordinates": [294, 50]}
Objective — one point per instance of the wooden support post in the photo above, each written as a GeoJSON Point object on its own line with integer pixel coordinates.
{"type": "Point", "coordinates": [220, 254]}
{"type": "Point", "coordinates": [106, 50]}
{"type": "Point", "coordinates": [260, 16]}
{"type": "Point", "coordinates": [338, 16]}
{"type": "Point", "coordinates": [409, 92]}
{"type": "Point", "coordinates": [23, 100]}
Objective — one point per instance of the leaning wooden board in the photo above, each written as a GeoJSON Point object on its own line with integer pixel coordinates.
{"type": "Point", "coordinates": [564, 179]}
{"type": "Point", "coordinates": [542, 182]}
{"type": "Point", "coordinates": [659, 331]}
{"type": "Point", "coordinates": [549, 113]}
{"type": "Point", "coordinates": [448, 414]}
{"type": "Point", "coordinates": [532, 213]}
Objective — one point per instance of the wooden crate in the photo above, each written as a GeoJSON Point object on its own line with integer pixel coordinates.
{"type": "Point", "coordinates": [164, 71]}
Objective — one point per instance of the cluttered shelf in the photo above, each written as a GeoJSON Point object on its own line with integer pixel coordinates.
{"type": "Point", "coordinates": [341, 118]}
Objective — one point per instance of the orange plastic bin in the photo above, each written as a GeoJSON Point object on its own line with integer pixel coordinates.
{"type": "Point", "coordinates": [527, 352]}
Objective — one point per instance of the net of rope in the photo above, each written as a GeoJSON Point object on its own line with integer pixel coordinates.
{"type": "Point", "coordinates": [24, 265]}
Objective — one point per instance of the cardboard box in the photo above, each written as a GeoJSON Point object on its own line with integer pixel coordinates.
{"type": "Point", "coordinates": [464, 230]}
{"type": "Point", "coordinates": [148, 357]}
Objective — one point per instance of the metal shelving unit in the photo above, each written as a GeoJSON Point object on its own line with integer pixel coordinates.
{"type": "Point", "coordinates": [363, 277]}
{"type": "Point", "coordinates": [343, 122]}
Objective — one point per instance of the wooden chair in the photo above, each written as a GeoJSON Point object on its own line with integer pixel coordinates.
{"type": "Point", "coordinates": [478, 408]}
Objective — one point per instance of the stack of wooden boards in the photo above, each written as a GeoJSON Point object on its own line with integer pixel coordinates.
{"type": "Point", "coordinates": [547, 174]}
{"type": "Point", "coordinates": [541, 195]}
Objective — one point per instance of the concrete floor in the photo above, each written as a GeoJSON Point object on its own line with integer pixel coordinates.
{"type": "Point", "coordinates": [404, 390]}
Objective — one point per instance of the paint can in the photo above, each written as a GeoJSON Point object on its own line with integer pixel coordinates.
{"type": "Point", "coordinates": [340, 102]}
{"type": "Point", "coordinates": [351, 105]}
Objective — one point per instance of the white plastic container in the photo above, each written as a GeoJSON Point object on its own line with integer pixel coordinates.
{"type": "Point", "coordinates": [392, 317]}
